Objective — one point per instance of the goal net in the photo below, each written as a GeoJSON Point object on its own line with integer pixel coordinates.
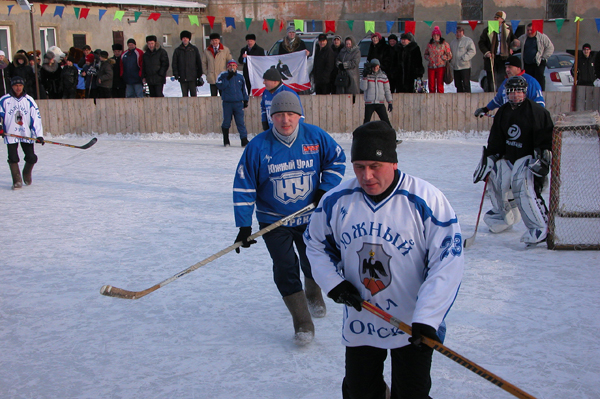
{"type": "Point", "coordinates": [574, 214]}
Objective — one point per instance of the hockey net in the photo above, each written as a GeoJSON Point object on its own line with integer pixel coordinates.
{"type": "Point", "coordinates": [574, 213]}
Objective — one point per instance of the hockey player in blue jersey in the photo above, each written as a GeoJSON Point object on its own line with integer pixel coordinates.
{"type": "Point", "coordinates": [282, 170]}
{"type": "Point", "coordinates": [273, 86]}
{"type": "Point", "coordinates": [393, 240]}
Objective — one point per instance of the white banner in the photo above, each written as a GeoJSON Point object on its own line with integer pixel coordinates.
{"type": "Point", "coordinates": [292, 68]}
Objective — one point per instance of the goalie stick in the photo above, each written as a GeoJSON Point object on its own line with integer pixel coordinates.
{"type": "Point", "coordinates": [81, 147]}
{"type": "Point", "coordinates": [444, 350]}
{"type": "Point", "coordinates": [470, 240]}
{"type": "Point", "coordinates": [109, 290]}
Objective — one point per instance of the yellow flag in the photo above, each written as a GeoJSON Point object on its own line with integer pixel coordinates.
{"type": "Point", "coordinates": [194, 20]}
{"type": "Point", "coordinates": [119, 15]}
{"type": "Point", "coordinates": [299, 24]}
{"type": "Point", "coordinates": [494, 26]}
{"type": "Point", "coordinates": [369, 26]}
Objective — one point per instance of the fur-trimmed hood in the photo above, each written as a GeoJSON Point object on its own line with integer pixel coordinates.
{"type": "Point", "coordinates": [22, 57]}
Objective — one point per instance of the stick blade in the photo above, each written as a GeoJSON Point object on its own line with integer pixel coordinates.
{"type": "Point", "coordinates": [88, 145]}
{"type": "Point", "coordinates": [109, 290]}
{"type": "Point", "coordinates": [469, 241]}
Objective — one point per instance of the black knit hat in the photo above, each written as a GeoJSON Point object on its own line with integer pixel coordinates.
{"type": "Point", "coordinates": [513, 60]}
{"type": "Point", "coordinates": [374, 141]}
{"type": "Point", "coordinates": [151, 38]}
{"type": "Point", "coordinates": [272, 74]}
{"type": "Point", "coordinates": [117, 46]}
{"type": "Point", "coordinates": [214, 35]}
{"type": "Point", "coordinates": [251, 36]}
{"type": "Point", "coordinates": [104, 54]}
{"type": "Point", "coordinates": [131, 41]}
{"type": "Point", "coordinates": [392, 37]}
{"type": "Point", "coordinates": [17, 80]}
{"type": "Point", "coordinates": [185, 33]}
{"type": "Point", "coordinates": [586, 45]}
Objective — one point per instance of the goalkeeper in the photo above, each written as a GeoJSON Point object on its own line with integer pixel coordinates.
{"type": "Point", "coordinates": [517, 160]}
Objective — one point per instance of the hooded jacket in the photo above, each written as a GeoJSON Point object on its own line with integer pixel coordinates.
{"type": "Point", "coordinates": [349, 58]}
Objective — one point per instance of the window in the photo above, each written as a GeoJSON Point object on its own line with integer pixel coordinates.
{"type": "Point", "coordinates": [556, 9]}
{"type": "Point", "coordinates": [79, 41]}
{"type": "Point", "coordinates": [471, 10]}
{"type": "Point", "coordinates": [47, 39]}
{"type": "Point", "coordinates": [206, 33]}
{"type": "Point", "coordinates": [5, 42]}
{"type": "Point", "coordinates": [402, 25]}
{"type": "Point", "coordinates": [118, 38]}
{"type": "Point", "coordinates": [166, 40]}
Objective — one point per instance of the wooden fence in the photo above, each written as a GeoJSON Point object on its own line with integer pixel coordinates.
{"type": "Point", "coordinates": [333, 113]}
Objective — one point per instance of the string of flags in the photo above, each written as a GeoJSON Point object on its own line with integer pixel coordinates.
{"type": "Point", "coordinates": [268, 24]}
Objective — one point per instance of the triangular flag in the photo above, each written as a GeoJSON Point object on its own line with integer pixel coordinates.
{"type": "Point", "coordinates": [281, 25]}
{"type": "Point", "coordinates": [154, 16]}
{"type": "Point", "coordinates": [194, 20]}
{"type": "Point", "coordinates": [409, 26]}
{"type": "Point", "coordinates": [136, 15]}
{"type": "Point", "coordinates": [10, 9]}
{"type": "Point", "coordinates": [451, 27]}
{"type": "Point", "coordinates": [271, 22]}
{"type": "Point", "coordinates": [230, 21]}
{"type": "Point", "coordinates": [350, 24]}
{"type": "Point", "coordinates": [299, 24]}
{"type": "Point", "coordinates": [247, 21]}
{"type": "Point", "coordinates": [494, 26]}
{"type": "Point", "coordinates": [84, 13]}
{"type": "Point", "coordinates": [329, 26]}
{"type": "Point", "coordinates": [559, 24]}
{"type": "Point", "coordinates": [176, 18]}
{"type": "Point", "coordinates": [598, 24]}
{"type": "Point", "coordinates": [389, 25]}
{"type": "Point", "coordinates": [211, 21]}
{"type": "Point", "coordinates": [514, 24]}
{"type": "Point", "coordinates": [537, 25]}
{"type": "Point", "coordinates": [77, 9]}
{"type": "Point", "coordinates": [118, 15]}
{"type": "Point", "coordinates": [369, 26]}
{"type": "Point", "coordinates": [429, 23]}
{"type": "Point", "coordinates": [265, 26]}
{"type": "Point", "coordinates": [43, 8]}
{"type": "Point", "coordinates": [101, 14]}
{"type": "Point", "coordinates": [577, 19]}
{"type": "Point", "coordinates": [473, 24]}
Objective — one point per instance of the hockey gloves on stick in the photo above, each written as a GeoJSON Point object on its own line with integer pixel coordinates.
{"type": "Point", "coordinates": [480, 112]}
{"type": "Point", "coordinates": [40, 140]}
{"type": "Point", "coordinates": [540, 165]}
{"type": "Point", "coordinates": [347, 294]}
{"type": "Point", "coordinates": [422, 330]}
{"type": "Point", "coordinates": [390, 108]}
{"type": "Point", "coordinates": [485, 166]}
{"type": "Point", "coordinates": [242, 236]}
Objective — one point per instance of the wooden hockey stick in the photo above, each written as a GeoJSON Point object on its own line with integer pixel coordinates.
{"type": "Point", "coordinates": [109, 290]}
{"type": "Point", "coordinates": [470, 240]}
{"type": "Point", "coordinates": [81, 147]}
{"type": "Point", "coordinates": [463, 361]}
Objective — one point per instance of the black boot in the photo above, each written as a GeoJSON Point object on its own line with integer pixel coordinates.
{"type": "Point", "coordinates": [244, 141]}
{"type": "Point", "coordinates": [27, 173]}
{"type": "Point", "coordinates": [225, 136]}
{"type": "Point", "coordinates": [16, 176]}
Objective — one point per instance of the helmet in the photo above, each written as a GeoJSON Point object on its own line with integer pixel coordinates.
{"type": "Point", "coordinates": [515, 84]}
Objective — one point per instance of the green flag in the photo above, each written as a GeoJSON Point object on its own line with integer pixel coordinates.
{"type": "Point", "coordinates": [577, 19]}
{"type": "Point", "coordinates": [137, 15]}
{"type": "Point", "coordinates": [350, 24]}
{"type": "Point", "coordinates": [248, 21]}
{"type": "Point", "coordinates": [299, 24]}
{"type": "Point", "coordinates": [429, 23]}
{"type": "Point", "coordinates": [271, 22]}
{"type": "Point", "coordinates": [559, 23]}
{"type": "Point", "coordinates": [369, 26]}
{"type": "Point", "coordinates": [77, 12]}
{"type": "Point", "coordinates": [194, 20]}
{"type": "Point", "coordinates": [494, 26]}
{"type": "Point", "coordinates": [119, 15]}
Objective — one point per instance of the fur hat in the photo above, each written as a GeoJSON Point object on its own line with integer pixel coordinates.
{"type": "Point", "coordinates": [58, 53]}
{"type": "Point", "coordinates": [151, 38]}
{"type": "Point", "coordinates": [374, 141]}
{"type": "Point", "coordinates": [214, 35]}
{"type": "Point", "coordinates": [49, 55]}
{"type": "Point", "coordinates": [500, 14]}
{"type": "Point", "coordinates": [272, 74]}
{"type": "Point", "coordinates": [117, 46]}
{"type": "Point", "coordinates": [185, 33]}
{"type": "Point", "coordinates": [286, 101]}
{"type": "Point", "coordinates": [17, 80]}
{"type": "Point", "coordinates": [436, 31]}
{"type": "Point", "coordinates": [513, 60]}
{"type": "Point", "coordinates": [251, 36]}
{"type": "Point", "coordinates": [132, 40]}
{"type": "Point", "coordinates": [392, 37]}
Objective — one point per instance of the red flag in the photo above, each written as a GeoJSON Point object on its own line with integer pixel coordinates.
{"type": "Point", "coordinates": [265, 26]}
{"type": "Point", "coordinates": [211, 21]}
{"type": "Point", "coordinates": [329, 26]}
{"type": "Point", "coordinates": [537, 25]}
{"type": "Point", "coordinates": [409, 26]}
{"type": "Point", "coordinates": [84, 13]}
{"type": "Point", "coordinates": [43, 8]}
{"type": "Point", "coordinates": [473, 24]}
{"type": "Point", "coordinates": [154, 16]}
{"type": "Point", "coordinates": [281, 25]}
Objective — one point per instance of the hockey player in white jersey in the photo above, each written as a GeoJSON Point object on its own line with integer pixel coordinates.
{"type": "Point", "coordinates": [393, 240]}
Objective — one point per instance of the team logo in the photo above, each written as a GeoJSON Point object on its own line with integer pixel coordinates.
{"type": "Point", "coordinates": [292, 186]}
{"type": "Point", "coordinates": [310, 149]}
{"type": "Point", "coordinates": [240, 172]}
{"type": "Point", "coordinates": [374, 267]}
{"type": "Point", "coordinates": [514, 132]}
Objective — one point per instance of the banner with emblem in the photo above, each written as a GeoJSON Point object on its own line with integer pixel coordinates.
{"type": "Point", "coordinates": [292, 67]}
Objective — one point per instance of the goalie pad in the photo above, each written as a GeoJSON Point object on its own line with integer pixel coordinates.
{"type": "Point", "coordinates": [486, 164]}
{"type": "Point", "coordinates": [540, 165]}
{"type": "Point", "coordinates": [504, 212]}
{"type": "Point", "coordinates": [533, 208]}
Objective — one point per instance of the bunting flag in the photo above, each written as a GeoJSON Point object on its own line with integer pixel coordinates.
{"type": "Point", "coordinates": [429, 23]}
{"type": "Point", "coordinates": [409, 26]}
{"type": "Point", "coordinates": [176, 18]}
{"type": "Point", "coordinates": [154, 16]}
{"type": "Point", "coordinates": [293, 67]}
{"type": "Point", "coordinates": [389, 25]}
{"type": "Point", "coordinates": [10, 8]}
{"type": "Point", "coordinates": [537, 25]}
{"type": "Point", "coordinates": [76, 12]}
{"type": "Point", "coordinates": [350, 24]}
{"type": "Point", "coordinates": [281, 25]}
{"type": "Point", "coordinates": [559, 24]}
{"type": "Point", "coordinates": [369, 26]}
{"type": "Point", "coordinates": [84, 13]}
{"type": "Point", "coordinates": [230, 21]}
{"type": "Point", "coordinates": [59, 11]}
{"type": "Point", "coordinates": [577, 19]}
{"type": "Point", "coordinates": [247, 21]}
{"type": "Point", "coordinates": [299, 24]}
{"type": "Point", "coordinates": [271, 22]}
{"type": "Point", "coordinates": [451, 27]}
{"type": "Point", "coordinates": [118, 15]}
{"type": "Point", "coordinates": [329, 26]}
{"type": "Point", "coordinates": [43, 8]}
{"type": "Point", "coordinates": [194, 20]}
{"type": "Point", "coordinates": [514, 23]}
{"type": "Point", "coordinates": [597, 24]}
{"type": "Point", "coordinates": [101, 14]}
{"type": "Point", "coordinates": [473, 25]}
{"type": "Point", "coordinates": [211, 21]}
{"type": "Point", "coordinates": [265, 27]}
{"type": "Point", "coordinates": [493, 26]}
{"type": "Point", "coordinates": [136, 15]}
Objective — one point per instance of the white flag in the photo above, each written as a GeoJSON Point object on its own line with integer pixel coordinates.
{"type": "Point", "coordinates": [292, 68]}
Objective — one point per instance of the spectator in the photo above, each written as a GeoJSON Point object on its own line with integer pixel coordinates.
{"type": "Point", "coordinates": [235, 99]}
{"type": "Point", "coordinates": [410, 63]}
{"type": "Point", "coordinates": [585, 67]}
{"type": "Point", "coordinates": [187, 65]}
{"type": "Point", "coordinates": [291, 44]}
{"type": "Point", "coordinates": [393, 71]}
{"type": "Point", "coordinates": [86, 51]}
{"type": "Point", "coordinates": [323, 66]}
{"type": "Point", "coordinates": [3, 69]}
{"type": "Point", "coordinates": [105, 76]}
{"type": "Point", "coordinates": [496, 49]}
{"type": "Point", "coordinates": [50, 73]}
{"type": "Point", "coordinates": [69, 77]}
{"type": "Point", "coordinates": [536, 48]}
{"type": "Point", "coordinates": [118, 89]}
{"type": "Point", "coordinates": [215, 61]}
{"type": "Point", "coordinates": [131, 70]}
{"type": "Point", "coordinates": [20, 67]}
{"type": "Point", "coordinates": [336, 46]}
{"type": "Point", "coordinates": [89, 72]}
{"type": "Point", "coordinates": [463, 50]}
{"type": "Point", "coordinates": [155, 66]}
{"type": "Point", "coordinates": [251, 48]}
{"type": "Point", "coordinates": [597, 66]}
{"type": "Point", "coordinates": [348, 61]}
{"type": "Point", "coordinates": [437, 54]}
{"type": "Point", "coordinates": [380, 50]}
{"type": "Point", "coordinates": [273, 86]}
{"type": "Point", "coordinates": [376, 87]}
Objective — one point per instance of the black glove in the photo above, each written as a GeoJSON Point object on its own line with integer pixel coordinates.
{"type": "Point", "coordinates": [422, 330]}
{"type": "Point", "coordinates": [40, 140]}
{"type": "Point", "coordinates": [341, 67]}
{"type": "Point", "coordinates": [265, 125]}
{"type": "Point", "coordinates": [540, 165]}
{"type": "Point", "coordinates": [365, 72]}
{"type": "Point", "coordinates": [230, 74]}
{"type": "Point", "coordinates": [480, 112]}
{"type": "Point", "coordinates": [346, 294]}
{"type": "Point", "coordinates": [242, 236]}
{"type": "Point", "coordinates": [245, 104]}
{"type": "Point", "coordinates": [390, 107]}
{"type": "Point", "coordinates": [318, 195]}
{"type": "Point", "coordinates": [199, 82]}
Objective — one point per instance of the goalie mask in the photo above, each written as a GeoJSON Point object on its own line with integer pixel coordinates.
{"type": "Point", "coordinates": [516, 90]}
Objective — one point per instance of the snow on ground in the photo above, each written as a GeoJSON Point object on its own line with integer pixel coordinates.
{"type": "Point", "coordinates": [133, 211]}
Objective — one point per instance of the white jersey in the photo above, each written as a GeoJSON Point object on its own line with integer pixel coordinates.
{"type": "Point", "coordinates": [21, 117]}
{"type": "Point", "coordinates": [403, 254]}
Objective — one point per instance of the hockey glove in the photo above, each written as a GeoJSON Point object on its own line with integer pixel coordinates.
{"type": "Point", "coordinates": [486, 164]}
{"type": "Point", "coordinates": [422, 330]}
{"type": "Point", "coordinates": [199, 82]}
{"type": "Point", "coordinates": [390, 108]}
{"type": "Point", "coordinates": [242, 236]}
{"type": "Point", "coordinates": [480, 112]}
{"type": "Point", "coordinates": [540, 165]}
{"type": "Point", "coordinates": [245, 104]}
{"type": "Point", "coordinates": [40, 140]}
{"type": "Point", "coordinates": [318, 195]}
{"type": "Point", "coordinates": [265, 125]}
{"type": "Point", "coordinates": [230, 74]}
{"type": "Point", "coordinates": [347, 294]}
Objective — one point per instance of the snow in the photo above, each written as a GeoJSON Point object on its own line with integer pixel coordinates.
{"type": "Point", "coordinates": [135, 210]}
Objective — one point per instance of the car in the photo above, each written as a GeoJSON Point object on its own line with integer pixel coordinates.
{"type": "Point", "coordinates": [557, 73]}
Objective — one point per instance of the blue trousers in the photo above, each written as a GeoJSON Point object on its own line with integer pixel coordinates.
{"type": "Point", "coordinates": [237, 110]}
{"type": "Point", "coordinates": [134, 91]}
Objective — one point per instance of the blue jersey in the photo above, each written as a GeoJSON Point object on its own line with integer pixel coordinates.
{"type": "Point", "coordinates": [534, 92]}
{"type": "Point", "coordinates": [280, 179]}
{"type": "Point", "coordinates": [267, 99]}
{"type": "Point", "coordinates": [232, 90]}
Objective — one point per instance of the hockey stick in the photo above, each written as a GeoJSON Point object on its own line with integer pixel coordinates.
{"type": "Point", "coordinates": [109, 290]}
{"type": "Point", "coordinates": [81, 147]}
{"type": "Point", "coordinates": [463, 361]}
{"type": "Point", "coordinates": [470, 240]}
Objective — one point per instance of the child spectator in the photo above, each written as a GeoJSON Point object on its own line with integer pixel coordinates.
{"type": "Point", "coordinates": [69, 78]}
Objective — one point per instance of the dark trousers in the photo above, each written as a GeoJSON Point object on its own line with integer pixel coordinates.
{"type": "Point", "coordinates": [69, 93]}
{"type": "Point", "coordinates": [188, 88]}
{"type": "Point", "coordinates": [462, 80]}
{"type": "Point", "coordinates": [118, 92]}
{"type": "Point", "coordinates": [13, 152]}
{"type": "Point", "coordinates": [235, 109]}
{"type": "Point", "coordinates": [537, 71]}
{"type": "Point", "coordinates": [104, 92]}
{"type": "Point", "coordinates": [214, 90]}
{"type": "Point", "coordinates": [322, 88]}
{"type": "Point", "coordinates": [286, 265]}
{"type": "Point", "coordinates": [411, 368]}
{"type": "Point", "coordinates": [156, 90]}
{"type": "Point", "coordinates": [381, 112]}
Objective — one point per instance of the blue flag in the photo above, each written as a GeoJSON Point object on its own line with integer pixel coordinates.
{"type": "Point", "coordinates": [389, 25]}
{"type": "Point", "coordinates": [230, 21]}
{"type": "Point", "coordinates": [451, 27]}
{"type": "Point", "coordinates": [514, 23]}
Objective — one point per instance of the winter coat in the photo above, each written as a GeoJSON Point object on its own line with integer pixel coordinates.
{"type": "Point", "coordinates": [256, 50]}
{"type": "Point", "coordinates": [233, 89]}
{"type": "Point", "coordinates": [22, 70]}
{"type": "Point", "coordinates": [105, 74]}
{"type": "Point", "coordinates": [287, 47]}
{"type": "Point", "coordinates": [463, 50]}
{"type": "Point", "coordinates": [3, 78]}
{"type": "Point", "coordinates": [50, 78]}
{"type": "Point", "coordinates": [349, 58]}
{"type": "Point", "coordinates": [131, 66]}
{"type": "Point", "coordinates": [324, 65]}
{"type": "Point", "coordinates": [155, 66]}
{"type": "Point", "coordinates": [213, 64]}
{"type": "Point", "coordinates": [69, 77]}
{"type": "Point", "coordinates": [89, 72]}
{"type": "Point", "coordinates": [187, 64]}
{"type": "Point", "coordinates": [384, 53]}
{"type": "Point", "coordinates": [410, 66]}
{"type": "Point", "coordinates": [488, 41]}
{"type": "Point", "coordinates": [585, 71]}
{"type": "Point", "coordinates": [437, 53]}
{"type": "Point", "coordinates": [118, 82]}
{"type": "Point", "coordinates": [545, 48]}
{"type": "Point", "coordinates": [376, 87]}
